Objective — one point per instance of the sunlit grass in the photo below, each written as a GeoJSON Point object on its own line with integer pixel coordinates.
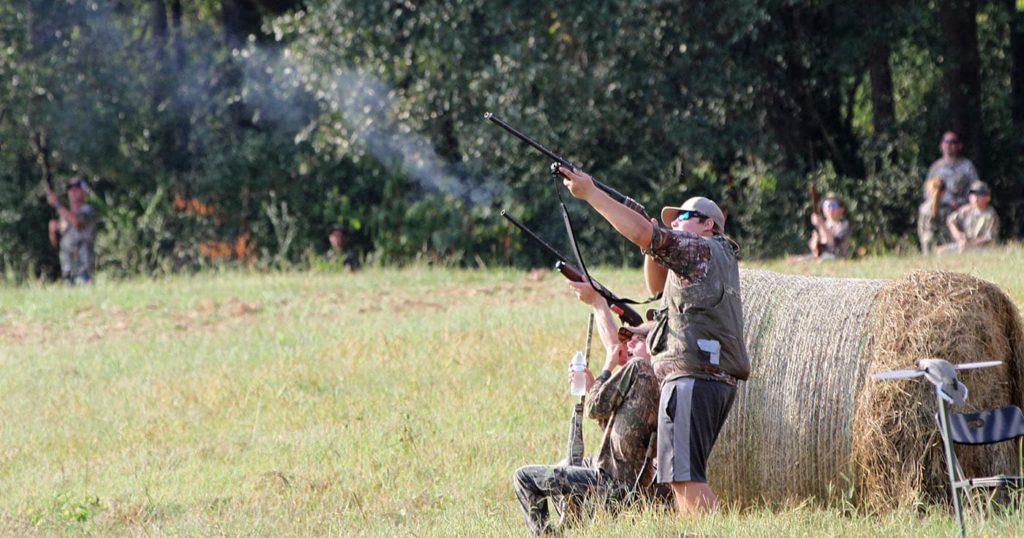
{"type": "Point", "coordinates": [394, 402]}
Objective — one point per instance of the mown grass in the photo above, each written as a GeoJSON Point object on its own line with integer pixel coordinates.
{"type": "Point", "coordinates": [389, 402]}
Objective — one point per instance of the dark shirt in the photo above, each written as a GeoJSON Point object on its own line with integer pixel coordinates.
{"type": "Point", "coordinates": [347, 257]}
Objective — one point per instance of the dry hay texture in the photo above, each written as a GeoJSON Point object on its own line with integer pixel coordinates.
{"type": "Point", "coordinates": [810, 423]}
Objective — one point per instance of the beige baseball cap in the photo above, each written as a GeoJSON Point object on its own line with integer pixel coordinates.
{"type": "Point", "coordinates": [699, 204]}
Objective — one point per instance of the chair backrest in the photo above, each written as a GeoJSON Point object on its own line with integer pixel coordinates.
{"type": "Point", "coordinates": [984, 427]}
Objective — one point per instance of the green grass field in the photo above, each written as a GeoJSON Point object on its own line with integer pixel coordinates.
{"type": "Point", "coordinates": [385, 403]}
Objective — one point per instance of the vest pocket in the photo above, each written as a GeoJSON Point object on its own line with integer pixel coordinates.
{"type": "Point", "coordinates": [657, 340]}
{"type": "Point", "coordinates": [710, 350]}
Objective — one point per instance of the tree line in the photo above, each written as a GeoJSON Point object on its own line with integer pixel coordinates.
{"type": "Point", "coordinates": [239, 131]}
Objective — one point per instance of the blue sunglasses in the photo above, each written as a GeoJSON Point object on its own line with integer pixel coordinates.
{"type": "Point", "coordinates": [687, 215]}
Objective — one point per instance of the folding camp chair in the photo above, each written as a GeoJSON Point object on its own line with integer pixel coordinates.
{"type": "Point", "coordinates": [985, 427]}
{"type": "Point", "coordinates": [980, 428]}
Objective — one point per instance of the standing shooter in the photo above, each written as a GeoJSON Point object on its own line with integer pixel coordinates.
{"type": "Point", "coordinates": [697, 342]}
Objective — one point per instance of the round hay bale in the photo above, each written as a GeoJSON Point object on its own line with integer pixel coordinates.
{"type": "Point", "coordinates": [788, 435]}
{"type": "Point", "coordinates": [810, 424]}
{"type": "Point", "coordinates": [896, 446]}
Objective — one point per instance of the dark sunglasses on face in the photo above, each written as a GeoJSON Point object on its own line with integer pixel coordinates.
{"type": "Point", "coordinates": [687, 215]}
{"type": "Point", "coordinates": [830, 205]}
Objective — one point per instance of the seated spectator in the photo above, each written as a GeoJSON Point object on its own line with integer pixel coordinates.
{"type": "Point", "coordinates": [974, 225]}
{"type": "Point", "coordinates": [338, 252]}
{"type": "Point", "coordinates": [956, 171]}
{"type": "Point", "coordinates": [931, 216]}
{"type": "Point", "coordinates": [831, 236]}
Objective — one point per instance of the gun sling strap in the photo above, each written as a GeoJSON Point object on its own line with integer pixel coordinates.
{"type": "Point", "coordinates": [579, 257]}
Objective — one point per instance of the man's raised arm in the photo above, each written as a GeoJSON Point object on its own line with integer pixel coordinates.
{"type": "Point", "coordinates": [627, 222]}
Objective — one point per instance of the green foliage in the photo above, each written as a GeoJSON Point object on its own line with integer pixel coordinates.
{"type": "Point", "coordinates": [68, 511]}
{"type": "Point", "coordinates": [138, 237]}
{"type": "Point", "coordinates": [369, 114]}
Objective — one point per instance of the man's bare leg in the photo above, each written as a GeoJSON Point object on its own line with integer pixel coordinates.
{"type": "Point", "coordinates": [693, 498]}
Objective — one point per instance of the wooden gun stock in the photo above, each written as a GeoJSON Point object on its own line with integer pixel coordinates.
{"type": "Point", "coordinates": [626, 313]}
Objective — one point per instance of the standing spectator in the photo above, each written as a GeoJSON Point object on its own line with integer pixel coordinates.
{"type": "Point", "coordinates": [975, 225]}
{"type": "Point", "coordinates": [957, 172]}
{"type": "Point", "coordinates": [831, 236]}
{"type": "Point", "coordinates": [338, 252]}
{"type": "Point", "coordinates": [74, 233]}
{"type": "Point", "coordinates": [931, 215]}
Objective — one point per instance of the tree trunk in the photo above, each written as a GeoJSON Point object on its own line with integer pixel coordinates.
{"type": "Point", "coordinates": [1017, 70]}
{"type": "Point", "coordinates": [883, 113]}
{"type": "Point", "coordinates": [180, 127]}
{"type": "Point", "coordinates": [158, 21]}
{"type": "Point", "coordinates": [240, 19]}
{"type": "Point", "coordinates": [962, 71]}
{"type": "Point", "coordinates": [179, 41]}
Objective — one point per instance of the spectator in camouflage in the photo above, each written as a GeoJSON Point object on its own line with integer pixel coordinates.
{"type": "Point", "coordinates": [975, 225]}
{"type": "Point", "coordinates": [339, 252]}
{"type": "Point", "coordinates": [74, 233]}
{"type": "Point", "coordinates": [956, 171]}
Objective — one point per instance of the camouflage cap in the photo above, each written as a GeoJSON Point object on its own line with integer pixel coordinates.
{"type": "Point", "coordinates": [626, 332]}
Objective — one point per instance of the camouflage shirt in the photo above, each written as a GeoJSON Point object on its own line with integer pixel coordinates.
{"type": "Point", "coordinates": [957, 177]}
{"type": "Point", "coordinates": [626, 405]}
{"type": "Point", "coordinates": [698, 329]}
{"type": "Point", "coordinates": [976, 223]}
{"type": "Point", "coordinates": [684, 253]}
{"type": "Point", "coordinates": [840, 234]}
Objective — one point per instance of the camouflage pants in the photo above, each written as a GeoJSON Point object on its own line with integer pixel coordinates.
{"type": "Point", "coordinates": [535, 484]}
{"type": "Point", "coordinates": [77, 262]}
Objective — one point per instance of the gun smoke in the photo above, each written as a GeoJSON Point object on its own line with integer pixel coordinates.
{"type": "Point", "coordinates": [355, 109]}
{"type": "Point", "coordinates": [369, 110]}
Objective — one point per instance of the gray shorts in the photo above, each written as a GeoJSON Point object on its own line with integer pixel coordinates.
{"type": "Point", "coordinates": [691, 412]}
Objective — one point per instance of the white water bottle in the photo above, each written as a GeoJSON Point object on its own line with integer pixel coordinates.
{"type": "Point", "coordinates": [578, 384]}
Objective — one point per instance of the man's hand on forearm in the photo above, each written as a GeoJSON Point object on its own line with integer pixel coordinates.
{"type": "Point", "coordinates": [616, 357]}
{"type": "Point", "coordinates": [579, 183]}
